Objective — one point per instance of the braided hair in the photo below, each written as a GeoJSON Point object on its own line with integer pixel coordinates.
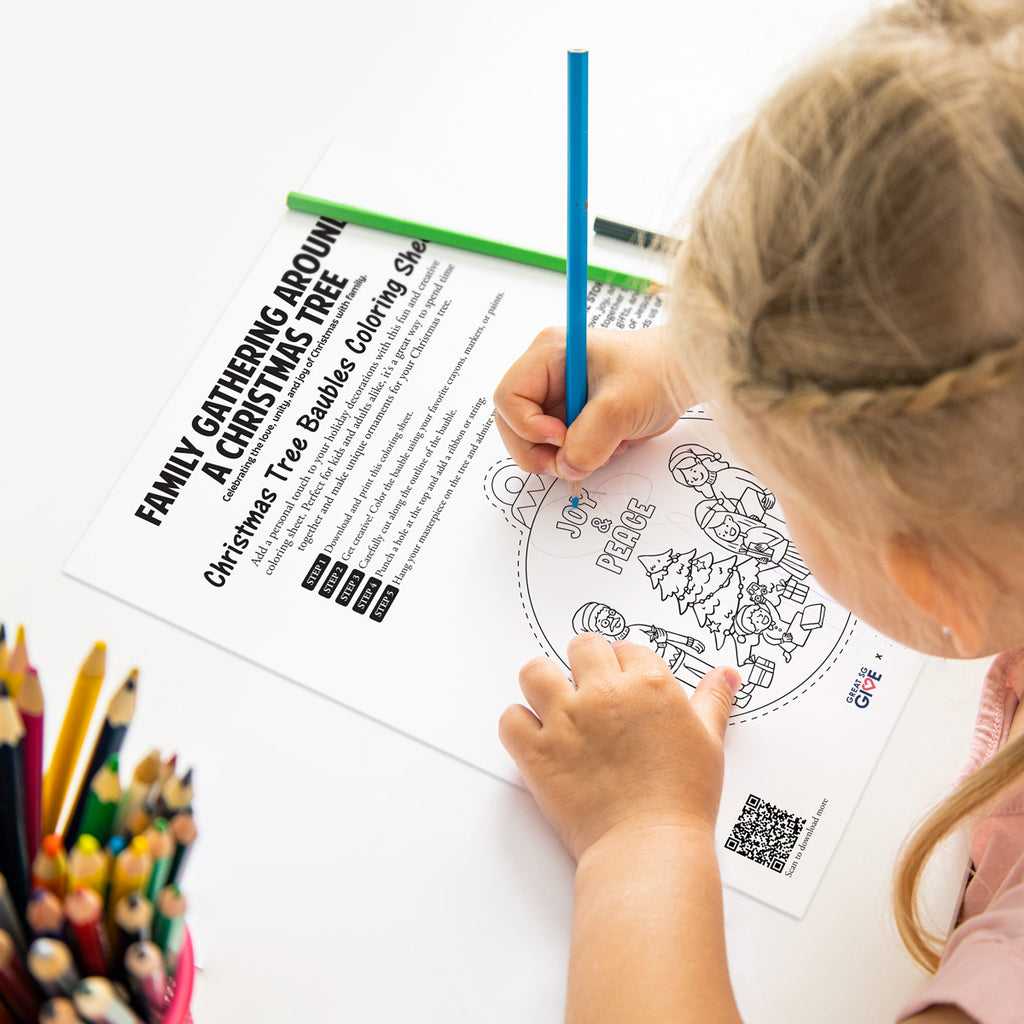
{"type": "Point", "coordinates": [856, 262]}
{"type": "Point", "coordinates": [851, 295]}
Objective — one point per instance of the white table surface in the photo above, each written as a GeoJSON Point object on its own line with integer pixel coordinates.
{"type": "Point", "coordinates": [345, 872]}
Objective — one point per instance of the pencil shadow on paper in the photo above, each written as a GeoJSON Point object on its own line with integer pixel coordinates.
{"type": "Point", "coordinates": [677, 547]}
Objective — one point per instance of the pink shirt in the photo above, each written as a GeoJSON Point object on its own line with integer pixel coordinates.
{"type": "Point", "coordinates": [982, 968]}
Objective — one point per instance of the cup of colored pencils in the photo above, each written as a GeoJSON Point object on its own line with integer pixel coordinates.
{"type": "Point", "coordinates": [92, 916]}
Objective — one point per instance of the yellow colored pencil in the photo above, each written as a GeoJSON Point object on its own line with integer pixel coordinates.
{"type": "Point", "coordinates": [130, 873]}
{"type": "Point", "coordinates": [72, 735]}
{"type": "Point", "coordinates": [88, 865]}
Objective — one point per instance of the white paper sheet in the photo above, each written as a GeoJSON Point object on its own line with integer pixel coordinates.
{"type": "Point", "coordinates": [325, 495]}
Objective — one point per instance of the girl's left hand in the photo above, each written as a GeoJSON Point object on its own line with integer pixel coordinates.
{"type": "Point", "coordinates": [623, 749]}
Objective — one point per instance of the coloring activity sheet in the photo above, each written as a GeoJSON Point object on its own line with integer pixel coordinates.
{"type": "Point", "coordinates": [680, 548]}
{"type": "Point", "coordinates": [685, 553]}
{"type": "Point", "coordinates": [324, 494]}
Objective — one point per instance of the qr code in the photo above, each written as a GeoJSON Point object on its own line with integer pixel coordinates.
{"type": "Point", "coordinates": [764, 833]}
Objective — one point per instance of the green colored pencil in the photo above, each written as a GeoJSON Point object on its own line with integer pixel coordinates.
{"type": "Point", "coordinates": [161, 846]}
{"type": "Point", "coordinates": [101, 802]}
{"type": "Point", "coordinates": [169, 924]}
{"type": "Point", "coordinates": [457, 240]}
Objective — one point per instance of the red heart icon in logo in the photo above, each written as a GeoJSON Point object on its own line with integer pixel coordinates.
{"type": "Point", "coordinates": [868, 684]}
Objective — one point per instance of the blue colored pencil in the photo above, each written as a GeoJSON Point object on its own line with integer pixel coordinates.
{"type": "Point", "coordinates": [576, 253]}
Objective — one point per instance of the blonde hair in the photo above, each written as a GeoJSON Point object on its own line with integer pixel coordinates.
{"type": "Point", "coordinates": [853, 287]}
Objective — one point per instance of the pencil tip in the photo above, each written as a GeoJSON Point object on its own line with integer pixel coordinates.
{"type": "Point", "coordinates": [575, 502]}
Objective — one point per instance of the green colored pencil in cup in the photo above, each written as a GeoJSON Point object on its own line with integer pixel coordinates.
{"type": "Point", "coordinates": [457, 240]}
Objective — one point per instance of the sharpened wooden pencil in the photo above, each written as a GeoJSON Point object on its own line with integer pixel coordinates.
{"type": "Point", "coordinates": [10, 919]}
{"type": "Point", "coordinates": [101, 803]}
{"type": "Point", "coordinates": [97, 1001]}
{"type": "Point", "coordinates": [72, 735]}
{"type": "Point", "coordinates": [138, 790]}
{"type": "Point", "coordinates": [20, 992]}
{"type": "Point", "coordinates": [45, 915]}
{"type": "Point", "coordinates": [30, 707]}
{"type": "Point", "coordinates": [53, 967]}
{"type": "Point", "coordinates": [576, 232]}
{"type": "Point", "coordinates": [15, 663]}
{"type": "Point", "coordinates": [636, 236]}
{"type": "Point", "coordinates": [110, 740]}
{"type": "Point", "coordinates": [13, 847]}
{"type": "Point", "coordinates": [84, 911]}
{"type": "Point", "coordinates": [59, 1010]}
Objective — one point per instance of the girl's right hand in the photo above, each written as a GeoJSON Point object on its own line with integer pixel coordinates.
{"type": "Point", "coordinates": [629, 399]}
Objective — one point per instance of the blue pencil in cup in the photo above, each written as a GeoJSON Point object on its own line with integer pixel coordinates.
{"type": "Point", "coordinates": [576, 254]}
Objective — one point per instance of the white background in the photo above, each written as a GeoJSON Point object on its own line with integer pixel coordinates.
{"type": "Point", "coordinates": [346, 872]}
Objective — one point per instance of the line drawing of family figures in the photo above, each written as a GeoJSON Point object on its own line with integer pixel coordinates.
{"type": "Point", "coordinates": [677, 650]}
{"type": "Point", "coordinates": [732, 513]}
{"type": "Point", "coordinates": [693, 465]}
{"type": "Point", "coordinates": [749, 536]}
{"type": "Point", "coordinates": [759, 620]}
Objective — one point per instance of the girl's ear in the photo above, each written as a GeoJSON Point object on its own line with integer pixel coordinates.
{"type": "Point", "coordinates": [955, 591]}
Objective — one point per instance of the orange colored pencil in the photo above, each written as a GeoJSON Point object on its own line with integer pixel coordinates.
{"type": "Point", "coordinates": [50, 866]}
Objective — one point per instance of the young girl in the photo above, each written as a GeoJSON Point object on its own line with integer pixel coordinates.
{"type": "Point", "coordinates": [850, 304]}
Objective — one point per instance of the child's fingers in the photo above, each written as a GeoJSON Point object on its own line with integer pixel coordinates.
{"type": "Point", "coordinates": [534, 458]}
{"type": "Point", "coordinates": [544, 686]}
{"type": "Point", "coordinates": [533, 388]}
{"type": "Point", "coordinates": [713, 698]}
{"type": "Point", "coordinates": [637, 659]}
{"type": "Point", "coordinates": [518, 727]}
{"type": "Point", "coordinates": [528, 419]}
{"type": "Point", "coordinates": [592, 438]}
{"type": "Point", "coordinates": [591, 659]}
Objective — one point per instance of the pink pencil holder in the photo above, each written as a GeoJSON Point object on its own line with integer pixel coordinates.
{"type": "Point", "coordinates": [180, 991]}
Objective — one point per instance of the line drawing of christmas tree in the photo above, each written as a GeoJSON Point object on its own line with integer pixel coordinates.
{"type": "Point", "coordinates": [712, 591]}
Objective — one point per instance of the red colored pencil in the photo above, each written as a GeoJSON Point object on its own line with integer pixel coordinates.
{"type": "Point", "coordinates": [84, 911]}
{"type": "Point", "coordinates": [30, 705]}
{"type": "Point", "coordinates": [19, 990]}
{"type": "Point", "coordinates": [147, 979]}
